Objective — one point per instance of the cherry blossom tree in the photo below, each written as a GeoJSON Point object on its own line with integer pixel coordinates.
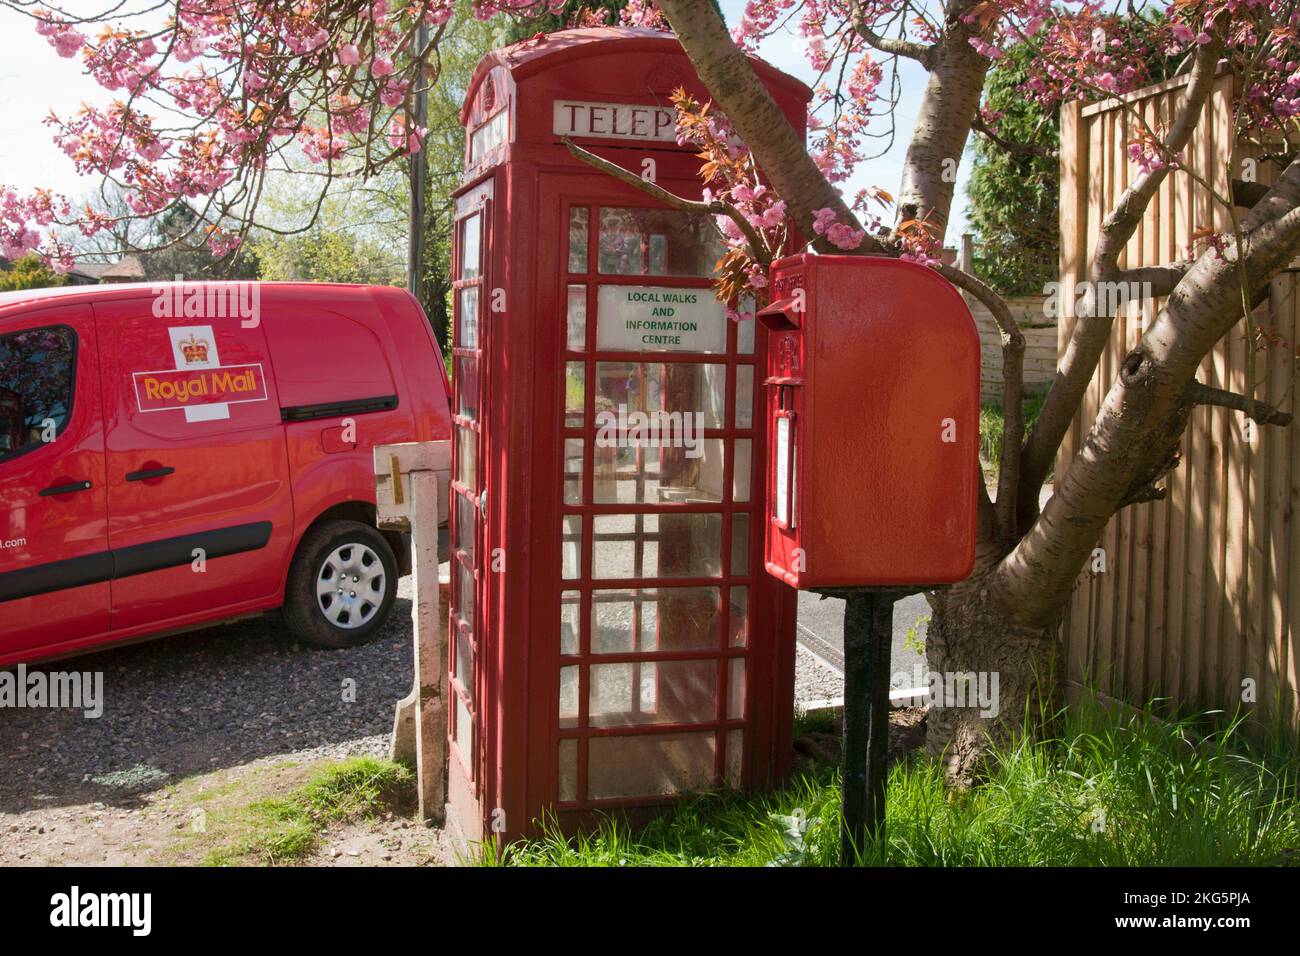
{"type": "Point", "coordinates": [1005, 617]}
{"type": "Point", "coordinates": [210, 96]}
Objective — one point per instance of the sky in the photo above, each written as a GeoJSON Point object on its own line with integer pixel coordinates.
{"type": "Point", "coordinates": [35, 80]}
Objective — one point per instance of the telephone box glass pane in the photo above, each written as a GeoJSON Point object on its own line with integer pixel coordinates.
{"type": "Point", "coordinates": [573, 462]}
{"type": "Point", "coordinates": [465, 594]}
{"type": "Point", "coordinates": [744, 396]}
{"type": "Point", "coordinates": [465, 526]}
{"type": "Point", "coordinates": [650, 765]}
{"type": "Point", "coordinates": [579, 217]}
{"type": "Point", "coordinates": [656, 475]}
{"type": "Point", "coordinates": [467, 386]}
{"type": "Point", "coordinates": [568, 770]}
{"type": "Point", "coordinates": [746, 329]}
{"type": "Point", "coordinates": [653, 692]}
{"type": "Point", "coordinates": [664, 242]}
{"type": "Point", "coordinates": [736, 689]}
{"type": "Point", "coordinates": [743, 472]}
{"type": "Point", "coordinates": [568, 696]}
{"type": "Point", "coordinates": [469, 247]}
{"type": "Point", "coordinates": [735, 757]}
{"type": "Point", "coordinates": [660, 390]}
{"type": "Point", "coordinates": [740, 544]}
{"type": "Point", "coordinates": [464, 733]}
{"type": "Point", "coordinates": [657, 546]}
{"type": "Point", "coordinates": [467, 457]}
{"type": "Point", "coordinates": [464, 663]}
{"type": "Point", "coordinates": [575, 394]}
{"type": "Point", "coordinates": [570, 622]}
{"type": "Point", "coordinates": [655, 619]}
{"type": "Point", "coordinates": [739, 616]}
{"type": "Point", "coordinates": [571, 547]}
{"type": "Point", "coordinates": [575, 320]}
{"type": "Point", "coordinates": [467, 320]}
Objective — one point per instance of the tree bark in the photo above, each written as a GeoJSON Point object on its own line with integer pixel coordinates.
{"type": "Point", "coordinates": [943, 123]}
{"type": "Point", "coordinates": [974, 643]}
{"type": "Point", "coordinates": [1004, 619]}
{"type": "Point", "coordinates": [754, 115]}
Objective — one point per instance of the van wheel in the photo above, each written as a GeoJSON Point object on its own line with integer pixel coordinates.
{"type": "Point", "coordinates": [341, 586]}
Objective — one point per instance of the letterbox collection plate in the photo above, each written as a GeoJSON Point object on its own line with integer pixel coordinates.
{"type": "Point", "coordinates": [785, 470]}
{"type": "Point", "coordinates": [652, 318]}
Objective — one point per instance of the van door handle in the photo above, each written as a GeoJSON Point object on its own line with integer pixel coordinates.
{"type": "Point", "coordinates": [67, 489]}
{"type": "Point", "coordinates": [148, 473]}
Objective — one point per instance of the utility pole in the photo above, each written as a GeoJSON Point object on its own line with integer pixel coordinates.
{"type": "Point", "coordinates": [415, 241]}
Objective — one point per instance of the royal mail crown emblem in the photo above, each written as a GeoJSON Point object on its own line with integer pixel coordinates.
{"type": "Point", "coordinates": [194, 349]}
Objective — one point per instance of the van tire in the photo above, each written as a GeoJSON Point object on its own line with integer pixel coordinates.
{"type": "Point", "coordinates": [341, 544]}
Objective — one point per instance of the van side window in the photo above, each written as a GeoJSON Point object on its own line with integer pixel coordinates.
{"type": "Point", "coordinates": [36, 378]}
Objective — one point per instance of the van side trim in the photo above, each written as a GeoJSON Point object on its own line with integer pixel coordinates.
{"type": "Point", "coordinates": [56, 576]}
{"type": "Point", "coordinates": [355, 406]}
{"type": "Point", "coordinates": [175, 552]}
{"type": "Point", "coordinates": [137, 559]}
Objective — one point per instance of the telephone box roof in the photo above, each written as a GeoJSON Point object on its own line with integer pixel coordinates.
{"type": "Point", "coordinates": [546, 50]}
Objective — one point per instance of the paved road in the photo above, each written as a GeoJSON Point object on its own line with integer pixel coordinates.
{"type": "Point", "coordinates": [821, 631]}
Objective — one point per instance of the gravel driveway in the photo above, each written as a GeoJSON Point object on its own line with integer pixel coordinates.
{"type": "Point", "coordinates": [220, 698]}
{"type": "Point", "coordinates": [203, 701]}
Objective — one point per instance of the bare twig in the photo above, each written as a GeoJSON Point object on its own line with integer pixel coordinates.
{"type": "Point", "coordinates": [716, 207]}
{"type": "Point", "coordinates": [1258, 411]}
{"type": "Point", "coordinates": [1019, 149]}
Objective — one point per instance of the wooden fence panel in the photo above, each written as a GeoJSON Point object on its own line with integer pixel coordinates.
{"type": "Point", "coordinates": [1196, 595]}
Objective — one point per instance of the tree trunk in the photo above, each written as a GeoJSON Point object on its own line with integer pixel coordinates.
{"type": "Point", "coordinates": [943, 122]}
{"type": "Point", "coordinates": [973, 641]}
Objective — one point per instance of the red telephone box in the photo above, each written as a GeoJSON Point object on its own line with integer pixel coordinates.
{"type": "Point", "coordinates": [873, 380]}
{"type": "Point", "coordinates": [615, 640]}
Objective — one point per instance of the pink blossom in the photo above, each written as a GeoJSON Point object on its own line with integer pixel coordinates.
{"type": "Point", "coordinates": [381, 66]}
{"type": "Point", "coordinates": [349, 55]}
{"type": "Point", "coordinates": [845, 237]}
{"type": "Point", "coordinates": [68, 42]}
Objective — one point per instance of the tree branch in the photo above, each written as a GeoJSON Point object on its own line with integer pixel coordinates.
{"type": "Point", "coordinates": [716, 207]}
{"type": "Point", "coordinates": [1019, 149]}
{"type": "Point", "coordinates": [1123, 445]}
{"type": "Point", "coordinates": [1092, 332]}
{"type": "Point", "coordinates": [1261, 412]}
{"type": "Point", "coordinates": [1156, 282]}
{"type": "Point", "coordinates": [920, 52]}
{"type": "Point", "coordinates": [1246, 194]}
{"type": "Point", "coordinates": [780, 152]}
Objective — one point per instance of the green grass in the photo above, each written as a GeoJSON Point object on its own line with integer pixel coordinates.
{"type": "Point", "coordinates": [1109, 788]}
{"type": "Point", "coordinates": [286, 829]}
{"type": "Point", "coordinates": [992, 422]}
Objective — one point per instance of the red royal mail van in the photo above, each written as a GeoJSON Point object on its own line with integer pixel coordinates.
{"type": "Point", "coordinates": [176, 455]}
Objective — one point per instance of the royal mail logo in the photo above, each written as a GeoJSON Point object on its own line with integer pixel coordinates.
{"type": "Point", "coordinates": [195, 350]}
{"type": "Point", "coordinates": [190, 388]}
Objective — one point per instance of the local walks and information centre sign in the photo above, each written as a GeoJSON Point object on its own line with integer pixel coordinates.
{"type": "Point", "coordinates": [635, 318]}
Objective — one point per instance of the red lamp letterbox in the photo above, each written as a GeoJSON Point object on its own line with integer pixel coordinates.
{"type": "Point", "coordinates": [873, 376]}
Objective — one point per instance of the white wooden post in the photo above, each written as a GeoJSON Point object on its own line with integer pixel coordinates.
{"type": "Point", "coordinates": [411, 482]}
